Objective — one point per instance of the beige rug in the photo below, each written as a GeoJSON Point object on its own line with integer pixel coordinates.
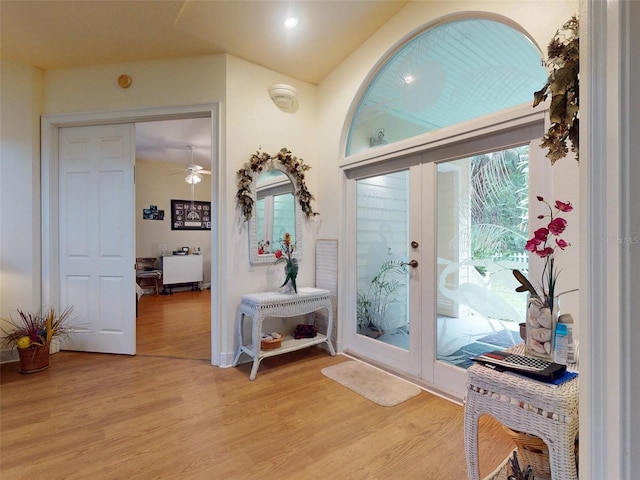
{"type": "Point", "coordinates": [378, 386]}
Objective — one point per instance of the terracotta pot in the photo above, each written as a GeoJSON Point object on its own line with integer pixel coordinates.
{"type": "Point", "coordinates": [34, 359]}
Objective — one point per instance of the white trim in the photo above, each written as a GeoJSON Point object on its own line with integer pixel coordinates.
{"type": "Point", "coordinates": [49, 174]}
{"type": "Point", "coordinates": [505, 129]}
{"type": "Point", "coordinates": [604, 387]}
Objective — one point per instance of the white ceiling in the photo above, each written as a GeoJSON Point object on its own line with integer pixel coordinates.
{"type": "Point", "coordinates": [53, 34]}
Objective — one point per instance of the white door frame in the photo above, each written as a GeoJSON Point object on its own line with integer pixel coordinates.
{"type": "Point", "coordinates": [49, 195]}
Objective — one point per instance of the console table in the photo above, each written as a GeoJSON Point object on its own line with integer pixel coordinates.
{"type": "Point", "coordinates": [259, 306]}
{"type": "Point", "coordinates": [527, 406]}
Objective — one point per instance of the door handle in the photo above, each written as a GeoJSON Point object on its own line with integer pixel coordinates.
{"type": "Point", "coordinates": [414, 244]}
{"type": "Point", "coordinates": [411, 263]}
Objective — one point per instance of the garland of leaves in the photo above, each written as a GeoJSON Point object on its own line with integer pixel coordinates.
{"type": "Point", "coordinates": [563, 85]}
{"type": "Point", "coordinates": [259, 161]}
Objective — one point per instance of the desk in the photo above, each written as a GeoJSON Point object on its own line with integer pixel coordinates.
{"type": "Point", "coordinates": [526, 406]}
{"type": "Point", "coordinates": [259, 306]}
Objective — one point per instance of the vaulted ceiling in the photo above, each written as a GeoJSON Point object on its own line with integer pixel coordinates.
{"type": "Point", "coordinates": [54, 34]}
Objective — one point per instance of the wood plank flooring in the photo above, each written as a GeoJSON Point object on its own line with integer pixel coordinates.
{"type": "Point", "coordinates": [151, 416]}
{"type": "Point", "coordinates": [177, 325]}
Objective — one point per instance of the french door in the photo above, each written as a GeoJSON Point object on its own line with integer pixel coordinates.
{"type": "Point", "coordinates": [433, 247]}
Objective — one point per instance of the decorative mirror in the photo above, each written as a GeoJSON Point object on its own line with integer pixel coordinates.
{"type": "Point", "coordinates": [268, 188]}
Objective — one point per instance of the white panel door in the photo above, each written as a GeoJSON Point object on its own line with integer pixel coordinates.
{"type": "Point", "coordinates": [96, 200]}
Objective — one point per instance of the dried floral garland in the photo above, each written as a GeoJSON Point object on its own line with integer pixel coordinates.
{"type": "Point", "coordinates": [259, 161]}
{"type": "Point", "coordinates": [563, 84]}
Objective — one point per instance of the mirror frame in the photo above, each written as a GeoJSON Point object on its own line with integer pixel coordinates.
{"type": "Point", "coordinates": [246, 196]}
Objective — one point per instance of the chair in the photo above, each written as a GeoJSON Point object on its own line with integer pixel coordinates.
{"type": "Point", "coordinates": [147, 273]}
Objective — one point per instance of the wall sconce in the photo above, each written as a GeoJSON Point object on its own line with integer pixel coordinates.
{"type": "Point", "coordinates": [378, 138]}
{"type": "Point", "coordinates": [284, 96]}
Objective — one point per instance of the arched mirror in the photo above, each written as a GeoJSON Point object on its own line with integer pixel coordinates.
{"type": "Point", "coordinates": [276, 212]}
{"type": "Point", "coordinates": [273, 198]}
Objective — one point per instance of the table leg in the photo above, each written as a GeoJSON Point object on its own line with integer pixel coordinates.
{"type": "Point", "coordinates": [254, 369]}
{"type": "Point", "coordinates": [239, 337]}
{"type": "Point", "coordinates": [562, 456]}
{"type": "Point", "coordinates": [471, 439]}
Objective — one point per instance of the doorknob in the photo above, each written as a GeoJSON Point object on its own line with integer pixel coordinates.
{"type": "Point", "coordinates": [411, 263]}
{"type": "Point", "coordinates": [414, 244]}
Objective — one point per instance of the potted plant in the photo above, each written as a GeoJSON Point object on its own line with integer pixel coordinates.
{"type": "Point", "coordinates": [32, 333]}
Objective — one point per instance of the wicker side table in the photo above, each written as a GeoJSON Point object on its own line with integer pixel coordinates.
{"type": "Point", "coordinates": [526, 406]}
{"type": "Point", "coordinates": [259, 306]}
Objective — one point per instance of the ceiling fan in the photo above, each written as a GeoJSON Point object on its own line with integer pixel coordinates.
{"type": "Point", "coordinates": [193, 172]}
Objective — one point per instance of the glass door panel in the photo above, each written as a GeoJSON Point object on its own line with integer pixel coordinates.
{"type": "Point", "coordinates": [382, 255]}
{"type": "Point", "coordinates": [482, 227]}
{"type": "Point", "coordinates": [385, 329]}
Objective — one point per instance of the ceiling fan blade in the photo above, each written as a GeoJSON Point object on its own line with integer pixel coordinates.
{"type": "Point", "coordinates": [206, 172]}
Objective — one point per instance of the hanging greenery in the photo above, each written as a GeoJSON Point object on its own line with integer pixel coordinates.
{"type": "Point", "coordinates": [563, 86]}
{"type": "Point", "coordinates": [260, 161]}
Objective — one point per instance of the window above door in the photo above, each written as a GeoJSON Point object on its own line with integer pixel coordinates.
{"type": "Point", "coordinates": [446, 75]}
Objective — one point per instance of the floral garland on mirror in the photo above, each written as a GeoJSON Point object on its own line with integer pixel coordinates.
{"type": "Point", "coordinates": [563, 86]}
{"type": "Point", "coordinates": [259, 161]}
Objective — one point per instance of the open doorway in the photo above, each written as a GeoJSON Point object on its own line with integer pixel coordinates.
{"type": "Point", "coordinates": [173, 170]}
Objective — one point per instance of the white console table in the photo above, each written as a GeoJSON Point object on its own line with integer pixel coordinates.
{"type": "Point", "coordinates": [182, 269]}
{"type": "Point", "coordinates": [259, 306]}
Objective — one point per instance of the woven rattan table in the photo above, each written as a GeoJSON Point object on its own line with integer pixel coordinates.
{"type": "Point", "coordinates": [527, 406]}
{"type": "Point", "coordinates": [259, 306]}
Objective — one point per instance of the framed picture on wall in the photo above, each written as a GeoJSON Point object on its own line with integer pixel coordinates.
{"type": "Point", "coordinates": [188, 215]}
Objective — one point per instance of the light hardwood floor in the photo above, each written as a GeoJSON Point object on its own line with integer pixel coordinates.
{"type": "Point", "coordinates": [157, 416]}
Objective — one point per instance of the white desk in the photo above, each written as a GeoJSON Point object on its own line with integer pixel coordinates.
{"type": "Point", "coordinates": [182, 269]}
{"type": "Point", "coordinates": [526, 406]}
{"type": "Point", "coordinates": [259, 306]}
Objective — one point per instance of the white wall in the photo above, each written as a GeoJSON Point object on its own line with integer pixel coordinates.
{"type": "Point", "coordinates": [20, 106]}
{"type": "Point", "coordinates": [156, 185]}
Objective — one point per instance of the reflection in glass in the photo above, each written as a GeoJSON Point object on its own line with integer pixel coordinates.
{"type": "Point", "coordinates": [482, 227]}
{"type": "Point", "coordinates": [382, 246]}
{"type": "Point", "coordinates": [275, 211]}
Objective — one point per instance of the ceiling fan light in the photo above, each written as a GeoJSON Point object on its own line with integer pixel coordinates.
{"type": "Point", "coordinates": [192, 178]}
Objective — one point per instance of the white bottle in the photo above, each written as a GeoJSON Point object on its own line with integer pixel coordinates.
{"type": "Point", "coordinates": [567, 321]}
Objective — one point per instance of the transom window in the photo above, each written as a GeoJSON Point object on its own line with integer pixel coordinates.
{"type": "Point", "coordinates": [448, 74]}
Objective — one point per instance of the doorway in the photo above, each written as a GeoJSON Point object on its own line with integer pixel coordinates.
{"type": "Point", "coordinates": [51, 216]}
{"type": "Point", "coordinates": [168, 152]}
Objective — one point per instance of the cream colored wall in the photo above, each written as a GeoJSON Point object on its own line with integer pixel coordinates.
{"type": "Point", "coordinates": [20, 106]}
{"type": "Point", "coordinates": [249, 120]}
{"type": "Point", "coordinates": [336, 93]}
{"type": "Point", "coordinates": [155, 185]}
{"type": "Point", "coordinates": [184, 81]}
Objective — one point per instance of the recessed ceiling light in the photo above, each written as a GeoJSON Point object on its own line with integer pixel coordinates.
{"type": "Point", "coordinates": [291, 22]}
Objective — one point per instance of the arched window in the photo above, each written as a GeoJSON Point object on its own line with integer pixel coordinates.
{"type": "Point", "coordinates": [448, 74]}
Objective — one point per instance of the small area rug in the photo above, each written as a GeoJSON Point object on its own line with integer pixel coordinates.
{"type": "Point", "coordinates": [375, 385]}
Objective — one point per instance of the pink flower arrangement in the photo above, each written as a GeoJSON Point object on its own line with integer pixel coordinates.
{"type": "Point", "coordinates": [544, 243]}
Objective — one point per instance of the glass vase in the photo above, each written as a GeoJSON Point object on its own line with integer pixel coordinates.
{"type": "Point", "coordinates": [542, 317]}
{"type": "Point", "coordinates": [291, 275]}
